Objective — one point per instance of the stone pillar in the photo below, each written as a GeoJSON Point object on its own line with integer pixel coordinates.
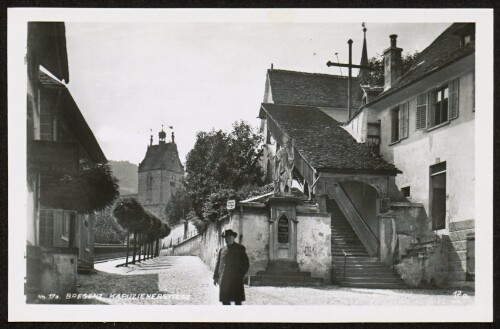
{"type": "Point", "coordinates": [387, 238]}
{"type": "Point", "coordinates": [321, 201]}
{"type": "Point", "coordinates": [283, 206]}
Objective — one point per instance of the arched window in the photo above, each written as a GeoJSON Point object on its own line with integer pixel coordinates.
{"type": "Point", "coordinates": [283, 229]}
{"type": "Point", "coordinates": [149, 188]}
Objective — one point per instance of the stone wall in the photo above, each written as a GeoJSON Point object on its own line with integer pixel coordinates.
{"type": "Point", "coordinates": [176, 235]}
{"type": "Point", "coordinates": [252, 226]}
{"type": "Point", "coordinates": [314, 244]}
{"type": "Point", "coordinates": [461, 258]}
{"type": "Point", "coordinates": [190, 247]}
{"type": "Point", "coordinates": [426, 266]}
{"type": "Point", "coordinates": [428, 259]}
{"type": "Point", "coordinates": [57, 271]}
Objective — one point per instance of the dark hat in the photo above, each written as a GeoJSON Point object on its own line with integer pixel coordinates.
{"type": "Point", "coordinates": [229, 232]}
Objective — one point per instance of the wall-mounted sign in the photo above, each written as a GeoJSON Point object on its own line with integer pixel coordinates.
{"type": "Point", "coordinates": [231, 204]}
{"type": "Point", "coordinates": [283, 236]}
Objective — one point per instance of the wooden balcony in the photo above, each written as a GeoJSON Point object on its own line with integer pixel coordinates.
{"type": "Point", "coordinates": [52, 157]}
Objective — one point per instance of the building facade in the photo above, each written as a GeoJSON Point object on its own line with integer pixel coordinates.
{"type": "Point", "coordinates": [160, 175]}
{"type": "Point", "coordinates": [426, 119]}
{"type": "Point", "coordinates": [59, 142]}
{"type": "Point", "coordinates": [396, 179]}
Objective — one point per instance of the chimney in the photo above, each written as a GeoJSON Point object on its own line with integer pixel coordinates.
{"type": "Point", "coordinates": [173, 138]}
{"type": "Point", "coordinates": [392, 63]}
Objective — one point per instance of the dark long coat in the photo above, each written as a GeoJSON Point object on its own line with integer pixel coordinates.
{"type": "Point", "coordinates": [232, 265]}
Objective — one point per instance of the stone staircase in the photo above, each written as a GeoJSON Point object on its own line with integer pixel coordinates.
{"type": "Point", "coordinates": [283, 274]}
{"type": "Point", "coordinates": [361, 269]}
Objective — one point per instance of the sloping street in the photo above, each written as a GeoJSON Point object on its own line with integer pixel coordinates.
{"type": "Point", "coordinates": [186, 280]}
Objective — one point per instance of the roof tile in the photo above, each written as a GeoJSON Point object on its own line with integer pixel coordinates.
{"type": "Point", "coordinates": [323, 142]}
{"type": "Point", "coordinates": [312, 89]}
{"type": "Point", "coordinates": [443, 50]}
{"type": "Point", "coordinates": [162, 156]}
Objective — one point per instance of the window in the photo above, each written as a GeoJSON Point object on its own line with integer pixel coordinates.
{"type": "Point", "coordinates": [149, 188]}
{"type": "Point", "coordinates": [444, 103]}
{"type": "Point", "coordinates": [467, 37]}
{"type": "Point", "coordinates": [373, 136]}
{"type": "Point", "coordinates": [399, 122]}
{"type": "Point", "coordinates": [395, 125]}
{"type": "Point", "coordinates": [46, 237]}
{"type": "Point", "coordinates": [64, 225]}
{"type": "Point", "coordinates": [437, 199]}
{"type": "Point", "coordinates": [54, 220]}
{"type": "Point", "coordinates": [405, 191]}
{"type": "Point", "coordinates": [440, 106]}
{"type": "Point", "coordinates": [467, 34]}
{"type": "Point", "coordinates": [46, 122]}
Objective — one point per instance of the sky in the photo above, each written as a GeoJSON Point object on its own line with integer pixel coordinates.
{"type": "Point", "coordinates": [129, 78]}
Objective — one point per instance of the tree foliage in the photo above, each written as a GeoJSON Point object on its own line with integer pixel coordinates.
{"type": "Point", "coordinates": [215, 204]}
{"type": "Point", "coordinates": [221, 160]}
{"type": "Point", "coordinates": [375, 75]}
{"type": "Point", "coordinates": [129, 213]}
{"type": "Point", "coordinates": [92, 189]}
{"type": "Point", "coordinates": [178, 207]}
{"type": "Point", "coordinates": [107, 230]}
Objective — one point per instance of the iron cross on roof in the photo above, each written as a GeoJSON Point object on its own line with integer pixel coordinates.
{"type": "Point", "coordinates": [350, 66]}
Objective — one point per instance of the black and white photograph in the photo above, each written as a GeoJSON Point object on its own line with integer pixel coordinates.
{"type": "Point", "coordinates": [250, 164]}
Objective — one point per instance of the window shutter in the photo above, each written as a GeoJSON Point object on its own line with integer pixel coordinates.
{"type": "Point", "coordinates": [421, 113]}
{"type": "Point", "coordinates": [401, 122]}
{"type": "Point", "coordinates": [406, 110]}
{"type": "Point", "coordinates": [453, 99]}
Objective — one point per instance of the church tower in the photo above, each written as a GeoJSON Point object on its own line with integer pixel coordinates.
{"type": "Point", "coordinates": [160, 175]}
{"type": "Point", "coordinates": [364, 56]}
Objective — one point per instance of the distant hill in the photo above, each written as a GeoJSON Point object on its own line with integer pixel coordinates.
{"type": "Point", "coordinates": [126, 173]}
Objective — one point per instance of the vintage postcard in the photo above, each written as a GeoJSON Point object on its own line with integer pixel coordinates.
{"type": "Point", "coordinates": [305, 165]}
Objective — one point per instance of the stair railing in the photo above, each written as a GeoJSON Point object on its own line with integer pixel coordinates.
{"type": "Point", "coordinates": [345, 260]}
{"type": "Point", "coordinates": [364, 233]}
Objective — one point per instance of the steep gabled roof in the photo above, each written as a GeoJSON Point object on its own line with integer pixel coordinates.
{"type": "Point", "coordinates": [312, 89]}
{"type": "Point", "coordinates": [162, 156]}
{"type": "Point", "coordinates": [74, 118]}
{"type": "Point", "coordinates": [443, 51]}
{"type": "Point", "coordinates": [323, 143]}
{"type": "Point", "coordinates": [47, 43]}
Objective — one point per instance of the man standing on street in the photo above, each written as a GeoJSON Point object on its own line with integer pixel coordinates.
{"type": "Point", "coordinates": [232, 265]}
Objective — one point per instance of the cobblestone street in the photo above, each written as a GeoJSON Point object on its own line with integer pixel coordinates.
{"type": "Point", "coordinates": [184, 278]}
{"type": "Point", "coordinates": [188, 280]}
